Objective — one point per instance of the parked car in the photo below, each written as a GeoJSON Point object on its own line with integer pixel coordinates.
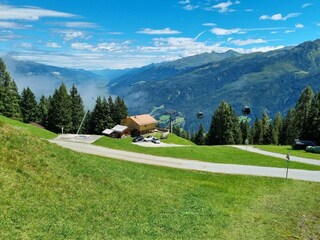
{"type": "Point", "coordinates": [148, 139]}
{"type": "Point", "coordinates": [156, 140]}
{"type": "Point", "coordinates": [137, 139]}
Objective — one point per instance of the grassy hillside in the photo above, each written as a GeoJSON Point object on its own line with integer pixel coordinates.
{"type": "Point", "coordinates": [217, 154]}
{"type": "Point", "coordinates": [52, 193]}
{"type": "Point", "coordinates": [39, 132]}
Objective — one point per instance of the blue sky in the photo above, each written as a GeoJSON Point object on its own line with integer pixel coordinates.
{"type": "Point", "coordinates": [132, 33]}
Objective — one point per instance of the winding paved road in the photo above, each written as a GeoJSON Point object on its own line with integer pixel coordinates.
{"type": "Point", "coordinates": [278, 155]}
{"type": "Point", "coordinates": [189, 164]}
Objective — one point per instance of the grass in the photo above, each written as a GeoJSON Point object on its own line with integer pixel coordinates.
{"type": "Point", "coordinates": [48, 192]}
{"type": "Point", "coordinates": [39, 132]}
{"type": "Point", "coordinates": [285, 149]}
{"type": "Point", "coordinates": [217, 154]}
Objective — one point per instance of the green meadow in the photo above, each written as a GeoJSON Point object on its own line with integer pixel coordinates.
{"type": "Point", "coordinates": [216, 154]}
{"type": "Point", "coordinates": [48, 192]}
{"type": "Point", "coordinates": [39, 132]}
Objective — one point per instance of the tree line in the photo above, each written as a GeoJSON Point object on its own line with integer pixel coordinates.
{"type": "Point", "coordinates": [61, 110]}
{"type": "Point", "coordinates": [301, 122]}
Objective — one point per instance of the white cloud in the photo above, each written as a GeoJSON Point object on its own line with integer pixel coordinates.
{"type": "Point", "coordinates": [190, 7]}
{"type": "Point", "coordinates": [29, 13]}
{"type": "Point", "coordinates": [26, 45]}
{"type": "Point", "coordinates": [223, 6]}
{"type": "Point", "coordinates": [13, 25]}
{"type": "Point", "coordinates": [279, 17]}
{"type": "Point", "coordinates": [290, 31]}
{"type": "Point", "coordinates": [248, 42]}
{"type": "Point", "coordinates": [70, 35]}
{"type": "Point", "coordinates": [53, 45]}
{"type": "Point", "coordinates": [115, 33]}
{"type": "Point", "coordinates": [103, 47]}
{"type": "Point", "coordinates": [299, 25]}
{"type": "Point", "coordinates": [222, 31]}
{"type": "Point", "coordinates": [82, 46]}
{"type": "Point", "coordinates": [209, 24]}
{"type": "Point", "coordinates": [187, 5]}
{"type": "Point", "coordinates": [75, 24]}
{"type": "Point", "coordinates": [7, 35]}
{"type": "Point", "coordinates": [249, 10]}
{"type": "Point", "coordinates": [124, 55]}
{"type": "Point", "coordinates": [164, 31]}
{"type": "Point", "coordinates": [307, 5]}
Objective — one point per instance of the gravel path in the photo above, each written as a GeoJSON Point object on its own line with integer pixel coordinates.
{"type": "Point", "coordinates": [190, 164]}
{"type": "Point", "coordinates": [278, 155]}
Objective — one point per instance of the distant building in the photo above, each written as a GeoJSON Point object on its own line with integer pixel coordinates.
{"type": "Point", "coordinates": [140, 124]}
{"type": "Point", "coordinates": [117, 131]}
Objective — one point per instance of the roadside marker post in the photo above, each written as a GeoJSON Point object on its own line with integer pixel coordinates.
{"type": "Point", "coordinates": [288, 160]}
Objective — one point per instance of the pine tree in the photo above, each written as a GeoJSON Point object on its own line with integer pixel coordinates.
{"type": "Point", "coordinates": [120, 110]}
{"type": "Point", "coordinates": [257, 135]}
{"type": "Point", "coordinates": [9, 95]}
{"type": "Point", "coordinates": [301, 112]}
{"type": "Point", "coordinates": [224, 128]}
{"type": "Point", "coordinates": [287, 132]}
{"type": "Point", "coordinates": [112, 110]}
{"type": "Point", "coordinates": [100, 117]}
{"type": "Point", "coordinates": [29, 106]}
{"type": "Point", "coordinates": [199, 138]}
{"type": "Point", "coordinates": [313, 129]}
{"type": "Point", "coordinates": [59, 115]}
{"type": "Point", "coordinates": [107, 119]}
{"type": "Point", "coordinates": [245, 131]}
{"type": "Point", "coordinates": [77, 109]}
{"type": "Point", "coordinates": [265, 128]}
{"type": "Point", "coordinates": [276, 128]}
{"type": "Point", "coordinates": [43, 108]}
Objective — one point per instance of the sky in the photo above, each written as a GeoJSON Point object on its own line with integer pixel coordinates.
{"type": "Point", "coordinates": [118, 34]}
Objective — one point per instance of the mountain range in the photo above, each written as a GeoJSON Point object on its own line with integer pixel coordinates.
{"type": "Point", "coordinates": [270, 81]}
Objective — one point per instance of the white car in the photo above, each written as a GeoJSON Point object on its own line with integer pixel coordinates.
{"type": "Point", "coordinates": [156, 140]}
{"type": "Point", "coordinates": [148, 139]}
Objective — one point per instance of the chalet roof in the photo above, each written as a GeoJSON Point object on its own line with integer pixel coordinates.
{"type": "Point", "coordinates": [107, 131]}
{"type": "Point", "coordinates": [143, 119]}
{"type": "Point", "coordinates": [119, 128]}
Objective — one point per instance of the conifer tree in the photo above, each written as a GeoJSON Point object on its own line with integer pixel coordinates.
{"type": "Point", "coordinates": [225, 128]}
{"type": "Point", "coordinates": [245, 131]}
{"type": "Point", "coordinates": [265, 128]}
{"type": "Point", "coordinates": [257, 135]}
{"type": "Point", "coordinates": [106, 116]}
{"type": "Point", "coordinates": [43, 108]}
{"type": "Point", "coordinates": [276, 128]}
{"type": "Point", "coordinates": [29, 106]}
{"type": "Point", "coordinates": [59, 115]}
{"type": "Point", "coordinates": [112, 110]}
{"type": "Point", "coordinates": [77, 109]}
{"type": "Point", "coordinates": [301, 112]}
{"type": "Point", "coordinates": [121, 110]}
{"type": "Point", "coordinates": [313, 120]}
{"type": "Point", "coordinates": [9, 96]}
{"type": "Point", "coordinates": [199, 138]}
{"type": "Point", "coordinates": [287, 133]}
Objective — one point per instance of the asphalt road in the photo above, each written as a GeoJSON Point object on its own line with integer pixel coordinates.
{"type": "Point", "coordinates": [189, 164]}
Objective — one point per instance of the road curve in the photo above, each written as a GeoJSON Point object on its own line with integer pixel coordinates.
{"type": "Point", "coordinates": [313, 176]}
{"type": "Point", "coordinates": [278, 155]}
